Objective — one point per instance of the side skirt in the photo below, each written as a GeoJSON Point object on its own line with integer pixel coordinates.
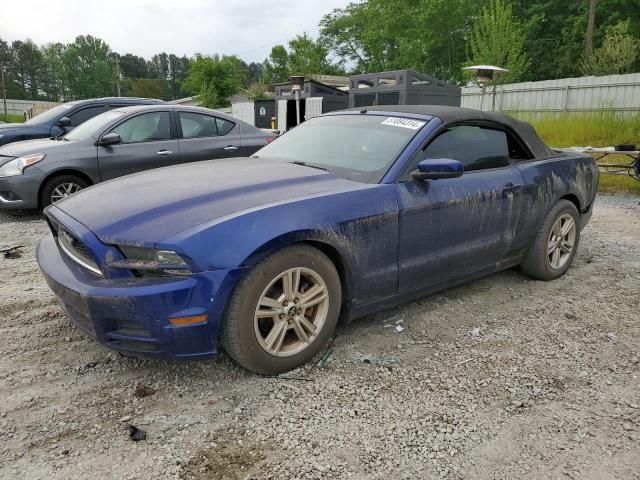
{"type": "Point", "coordinates": [358, 311]}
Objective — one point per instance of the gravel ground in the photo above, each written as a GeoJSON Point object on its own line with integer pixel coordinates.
{"type": "Point", "coordinates": [502, 378]}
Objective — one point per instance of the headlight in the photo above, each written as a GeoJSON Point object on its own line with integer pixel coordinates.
{"type": "Point", "coordinates": [151, 261]}
{"type": "Point", "coordinates": [17, 165]}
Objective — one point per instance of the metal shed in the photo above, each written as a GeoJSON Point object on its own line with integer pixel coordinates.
{"type": "Point", "coordinates": [401, 87]}
{"type": "Point", "coordinates": [315, 99]}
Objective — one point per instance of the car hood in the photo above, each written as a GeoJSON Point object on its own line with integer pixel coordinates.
{"type": "Point", "coordinates": [10, 127]}
{"type": "Point", "coordinates": [150, 206]}
{"type": "Point", "coordinates": [26, 147]}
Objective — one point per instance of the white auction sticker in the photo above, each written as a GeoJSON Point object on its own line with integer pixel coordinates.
{"type": "Point", "coordinates": [404, 123]}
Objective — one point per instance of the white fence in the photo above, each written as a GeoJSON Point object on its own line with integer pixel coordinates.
{"type": "Point", "coordinates": [22, 107]}
{"type": "Point", "coordinates": [619, 93]}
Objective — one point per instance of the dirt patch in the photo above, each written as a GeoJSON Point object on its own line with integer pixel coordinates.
{"type": "Point", "coordinates": [501, 378]}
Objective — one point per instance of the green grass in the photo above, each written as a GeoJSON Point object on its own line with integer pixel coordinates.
{"type": "Point", "coordinates": [11, 118]}
{"type": "Point", "coordinates": [595, 129]}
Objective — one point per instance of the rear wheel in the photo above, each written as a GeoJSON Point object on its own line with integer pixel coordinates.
{"type": "Point", "coordinates": [283, 311]}
{"type": "Point", "coordinates": [552, 251]}
{"type": "Point", "coordinates": [59, 188]}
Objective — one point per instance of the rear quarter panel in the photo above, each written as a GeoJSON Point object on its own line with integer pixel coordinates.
{"type": "Point", "coordinates": [570, 175]}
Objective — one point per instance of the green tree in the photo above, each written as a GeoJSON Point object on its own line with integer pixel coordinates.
{"type": "Point", "coordinates": [214, 79]}
{"type": "Point", "coordinates": [618, 53]}
{"type": "Point", "coordinates": [89, 68]}
{"type": "Point", "coordinates": [145, 87]}
{"type": "Point", "coordinates": [305, 56]}
{"type": "Point", "coordinates": [497, 39]}
{"type": "Point", "coordinates": [52, 83]}
{"type": "Point", "coordinates": [426, 35]}
{"type": "Point", "coordinates": [276, 67]}
{"type": "Point", "coordinates": [26, 65]}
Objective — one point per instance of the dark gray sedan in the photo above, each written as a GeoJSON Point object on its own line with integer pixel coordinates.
{"type": "Point", "coordinates": [36, 173]}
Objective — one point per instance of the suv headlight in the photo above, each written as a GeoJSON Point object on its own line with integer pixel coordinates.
{"type": "Point", "coordinates": [17, 165]}
{"type": "Point", "coordinates": [151, 261]}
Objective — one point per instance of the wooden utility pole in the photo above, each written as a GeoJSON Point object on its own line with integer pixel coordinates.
{"type": "Point", "coordinates": [588, 44]}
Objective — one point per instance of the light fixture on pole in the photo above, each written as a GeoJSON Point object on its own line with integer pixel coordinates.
{"type": "Point", "coordinates": [297, 84]}
{"type": "Point", "coordinates": [484, 77]}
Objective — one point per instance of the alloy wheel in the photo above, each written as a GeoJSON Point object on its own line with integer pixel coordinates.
{"type": "Point", "coordinates": [64, 190]}
{"type": "Point", "coordinates": [562, 239]}
{"type": "Point", "coordinates": [291, 312]}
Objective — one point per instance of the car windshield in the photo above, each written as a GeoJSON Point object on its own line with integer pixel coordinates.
{"type": "Point", "coordinates": [356, 147]}
{"type": "Point", "coordinates": [93, 127]}
{"type": "Point", "coordinates": [50, 115]}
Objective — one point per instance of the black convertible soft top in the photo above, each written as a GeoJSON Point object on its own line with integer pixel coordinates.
{"type": "Point", "coordinates": [451, 115]}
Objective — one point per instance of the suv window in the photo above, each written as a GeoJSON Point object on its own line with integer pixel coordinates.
{"type": "Point", "coordinates": [224, 126]}
{"type": "Point", "coordinates": [477, 148]}
{"type": "Point", "coordinates": [196, 125]}
{"type": "Point", "coordinates": [85, 114]}
{"type": "Point", "coordinates": [148, 127]}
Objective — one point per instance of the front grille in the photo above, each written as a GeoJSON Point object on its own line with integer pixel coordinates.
{"type": "Point", "coordinates": [77, 250]}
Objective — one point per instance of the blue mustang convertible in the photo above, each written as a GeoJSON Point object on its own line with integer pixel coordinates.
{"type": "Point", "coordinates": [346, 214]}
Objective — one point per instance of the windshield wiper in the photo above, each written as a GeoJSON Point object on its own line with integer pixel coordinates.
{"type": "Point", "coordinates": [305, 164]}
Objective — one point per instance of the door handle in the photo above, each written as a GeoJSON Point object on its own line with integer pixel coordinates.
{"type": "Point", "coordinates": [509, 188]}
{"type": "Point", "coordinates": [164, 153]}
{"type": "Point", "coordinates": [230, 148]}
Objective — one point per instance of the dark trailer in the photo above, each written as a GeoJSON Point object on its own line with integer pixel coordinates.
{"type": "Point", "coordinates": [401, 87]}
{"type": "Point", "coordinates": [315, 99]}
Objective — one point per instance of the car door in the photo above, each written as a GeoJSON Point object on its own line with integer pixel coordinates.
{"type": "Point", "coordinates": [147, 140]}
{"type": "Point", "coordinates": [207, 137]}
{"type": "Point", "coordinates": [452, 227]}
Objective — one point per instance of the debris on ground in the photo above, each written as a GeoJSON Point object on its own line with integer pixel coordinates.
{"type": "Point", "coordinates": [136, 434]}
{"type": "Point", "coordinates": [612, 337]}
{"type": "Point", "coordinates": [476, 332]}
{"type": "Point", "coordinates": [12, 252]}
{"type": "Point", "coordinates": [142, 391]}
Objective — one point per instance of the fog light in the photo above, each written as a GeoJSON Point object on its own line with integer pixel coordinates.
{"type": "Point", "coordinates": [181, 321]}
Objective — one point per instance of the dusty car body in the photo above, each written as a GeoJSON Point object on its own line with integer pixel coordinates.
{"type": "Point", "coordinates": [347, 214]}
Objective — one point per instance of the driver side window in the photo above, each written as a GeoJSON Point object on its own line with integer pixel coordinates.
{"type": "Point", "coordinates": [148, 127]}
{"type": "Point", "coordinates": [477, 148]}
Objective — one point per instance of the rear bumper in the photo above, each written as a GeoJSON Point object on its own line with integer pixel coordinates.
{"type": "Point", "coordinates": [132, 315]}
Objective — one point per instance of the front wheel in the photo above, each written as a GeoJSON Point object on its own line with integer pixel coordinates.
{"type": "Point", "coordinates": [555, 245]}
{"type": "Point", "coordinates": [283, 311]}
{"type": "Point", "coordinates": [59, 188]}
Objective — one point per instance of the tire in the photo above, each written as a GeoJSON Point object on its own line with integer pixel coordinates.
{"type": "Point", "coordinates": [540, 261]}
{"type": "Point", "coordinates": [245, 329]}
{"type": "Point", "coordinates": [59, 182]}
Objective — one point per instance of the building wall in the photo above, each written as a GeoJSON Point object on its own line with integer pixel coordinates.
{"type": "Point", "coordinates": [620, 93]}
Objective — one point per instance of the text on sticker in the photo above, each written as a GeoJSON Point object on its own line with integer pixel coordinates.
{"type": "Point", "coordinates": [404, 123]}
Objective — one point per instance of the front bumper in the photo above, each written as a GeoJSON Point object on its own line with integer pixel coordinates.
{"type": "Point", "coordinates": [20, 191]}
{"type": "Point", "coordinates": [132, 315]}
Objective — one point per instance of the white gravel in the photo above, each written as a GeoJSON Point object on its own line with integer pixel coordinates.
{"type": "Point", "coordinates": [502, 378]}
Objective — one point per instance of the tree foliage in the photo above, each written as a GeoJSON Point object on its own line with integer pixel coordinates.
{"type": "Point", "coordinates": [497, 39]}
{"type": "Point", "coordinates": [305, 56]}
{"type": "Point", "coordinates": [618, 53]}
{"type": "Point", "coordinates": [214, 79]}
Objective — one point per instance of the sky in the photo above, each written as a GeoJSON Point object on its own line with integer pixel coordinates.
{"type": "Point", "coordinates": [247, 28]}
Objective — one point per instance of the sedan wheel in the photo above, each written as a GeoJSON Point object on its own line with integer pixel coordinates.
{"type": "Point", "coordinates": [63, 190]}
{"type": "Point", "coordinates": [283, 310]}
{"type": "Point", "coordinates": [291, 312]}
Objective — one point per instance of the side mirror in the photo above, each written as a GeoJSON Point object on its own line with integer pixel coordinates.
{"type": "Point", "coordinates": [64, 122]}
{"type": "Point", "coordinates": [438, 168]}
{"type": "Point", "coordinates": [110, 139]}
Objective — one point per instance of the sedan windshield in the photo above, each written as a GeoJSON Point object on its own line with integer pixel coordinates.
{"type": "Point", "coordinates": [357, 147]}
{"type": "Point", "coordinates": [93, 127]}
